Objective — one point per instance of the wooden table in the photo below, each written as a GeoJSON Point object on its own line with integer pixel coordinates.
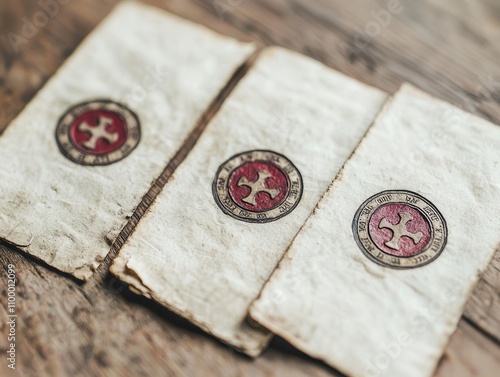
{"type": "Point", "coordinates": [449, 48]}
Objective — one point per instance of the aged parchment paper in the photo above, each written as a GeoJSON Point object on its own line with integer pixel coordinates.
{"type": "Point", "coordinates": [332, 302]}
{"type": "Point", "coordinates": [163, 68]}
{"type": "Point", "coordinates": [207, 266]}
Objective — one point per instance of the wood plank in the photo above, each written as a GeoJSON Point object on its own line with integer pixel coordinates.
{"type": "Point", "coordinates": [102, 329]}
{"type": "Point", "coordinates": [469, 354]}
{"type": "Point", "coordinates": [445, 47]}
{"type": "Point", "coordinates": [483, 308]}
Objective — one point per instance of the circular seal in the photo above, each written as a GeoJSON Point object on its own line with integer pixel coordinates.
{"type": "Point", "coordinates": [400, 229]}
{"type": "Point", "coordinates": [98, 133]}
{"type": "Point", "coordinates": [257, 186]}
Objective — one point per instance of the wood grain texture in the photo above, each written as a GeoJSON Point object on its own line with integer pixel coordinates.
{"type": "Point", "coordinates": [446, 47]}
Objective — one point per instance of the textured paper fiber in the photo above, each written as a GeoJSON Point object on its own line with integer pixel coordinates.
{"type": "Point", "coordinates": [333, 302]}
{"type": "Point", "coordinates": [164, 69]}
{"type": "Point", "coordinates": [208, 266]}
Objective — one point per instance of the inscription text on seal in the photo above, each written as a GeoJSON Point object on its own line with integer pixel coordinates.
{"type": "Point", "coordinates": [98, 133]}
{"type": "Point", "coordinates": [257, 186]}
{"type": "Point", "coordinates": [400, 229]}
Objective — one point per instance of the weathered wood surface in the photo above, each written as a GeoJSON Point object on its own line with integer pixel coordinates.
{"type": "Point", "coordinates": [448, 47]}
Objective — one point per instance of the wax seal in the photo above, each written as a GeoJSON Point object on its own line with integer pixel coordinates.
{"type": "Point", "coordinates": [98, 133]}
{"type": "Point", "coordinates": [257, 186]}
{"type": "Point", "coordinates": [400, 229]}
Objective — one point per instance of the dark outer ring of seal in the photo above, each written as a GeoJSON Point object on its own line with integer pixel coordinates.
{"type": "Point", "coordinates": [82, 104]}
{"type": "Point", "coordinates": [257, 221]}
{"type": "Point", "coordinates": [354, 229]}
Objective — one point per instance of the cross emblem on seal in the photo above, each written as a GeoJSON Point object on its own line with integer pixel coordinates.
{"type": "Point", "coordinates": [98, 132]}
{"type": "Point", "coordinates": [257, 186]}
{"type": "Point", "coordinates": [399, 230]}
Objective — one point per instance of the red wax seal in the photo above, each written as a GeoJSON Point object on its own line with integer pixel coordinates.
{"type": "Point", "coordinates": [257, 186]}
{"type": "Point", "coordinates": [400, 229]}
{"type": "Point", "coordinates": [98, 133]}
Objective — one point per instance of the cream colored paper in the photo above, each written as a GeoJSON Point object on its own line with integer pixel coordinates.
{"type": "Point", "coordinates": [207, 266]}
{"type": "Point", "coordinates": [166, 70]}
{"type": "Point", "coordinates": [365, 320]}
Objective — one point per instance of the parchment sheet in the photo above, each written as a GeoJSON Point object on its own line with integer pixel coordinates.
{"type": "Point", "coordinates": [207, 266]}
{"type": "Point", "coordinates": [364, 319]}
{"type": "Point", "coordinates": [163, 68]}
